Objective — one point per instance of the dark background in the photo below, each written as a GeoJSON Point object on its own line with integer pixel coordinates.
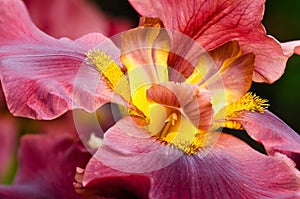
{"type": "Point", "coordinates": [282, 20]}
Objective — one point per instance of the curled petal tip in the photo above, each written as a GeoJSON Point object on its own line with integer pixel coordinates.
{"type": "Point", "coordinates": [79, 170]}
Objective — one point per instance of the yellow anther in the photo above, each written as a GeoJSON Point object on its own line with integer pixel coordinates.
{"type": "Point", "coordinates": [196, 144]}
{"type": "Point", "coordinates": [249, 102]}
{"type": "Point", "coordinates": [112, 73]}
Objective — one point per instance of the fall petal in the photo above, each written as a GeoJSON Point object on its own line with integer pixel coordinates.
{"type": "Point", "coordinates": [58, 19]}
{"type": "Point", "coordinates": [228, 169]}
{"type": "Point", "coordinates": [39, 73]}
{"type": "Point", "coordinates": [145, 152]}
{"type": "Point", "coordinates": [38, 81]}
{"type": "Point", "coordinates": [273, 133]}
{"type": "Point", "coordinates": [215, 23]}
{"type": "Point", "coordinates": [112, 183]}
{"type": "Point", "coordinates": [50, 175]}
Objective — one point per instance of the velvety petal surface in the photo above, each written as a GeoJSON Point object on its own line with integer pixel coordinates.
{"type": "Point", "coordinates": [73, 18]}
{"type": "Point", "coordinates": [273, 133]}
{"type": "Point", "coordinates": [213, 23]}
{"type": "Point", "coordinates": [46, 168]}
{"type": "Point", "coordinates": [228, 169]}
{"type": "Point", "coordinates": [43, 77]}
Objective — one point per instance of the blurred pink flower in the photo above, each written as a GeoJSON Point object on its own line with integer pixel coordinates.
{"type": "Point", "coordinates": [57, 18]}
{"type": "Point", "coordinates": [73, 18]}
{"type": "Point", "coordinates": [46, 167]}
{"type": "Point", "coordinates": [36, 53]}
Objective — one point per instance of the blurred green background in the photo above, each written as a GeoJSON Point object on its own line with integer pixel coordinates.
{"type": "Point", "coordinates": [282, 20]}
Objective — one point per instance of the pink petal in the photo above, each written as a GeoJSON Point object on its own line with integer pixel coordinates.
{"type": "Point", "coordinates": [145, 53]}
{"type": "Point", "coordinates": [228, 71]}
{"type": "Point", "coordinates": [46, 168]}
{"type": "Point", "coordinates": [289, 48]}
{"type": "Point", "coordinates": [229, 169]}
{"type": "Point", "coordinates": [183, 56]}
{"type": "Point", "coordinates": [43, 77]}
{"type": "Point", "coordinates": [273, 133]}
{"type": "Point", "coordinates": [266, 68]}
{"type": "Point", "coordinates": [72, 18]}
{"type": "Point", "coordinates": [112, 183]}
{"type": "Point", "coordinates": [138, 152]}
{"type": "Point", "coordinates": [214, 23]}
{"type": "Point", "coordinates": [297, 50]}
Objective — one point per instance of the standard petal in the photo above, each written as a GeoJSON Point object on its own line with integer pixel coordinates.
{"type": "Point", "coordinates": [273, 133]}
{"type": "Point", "coordinates": [46, 168]}
{"type": "Point", "coordinates": [213, 23]}
{"type": "Point", "coordinates": [289, 48]}
{"type": "Point", "coordinates": [57, 18]}
{"type": "Point", "coordinates": [227, 70]}
{"type": "Point", "coordinates": [266, 68]}
{"type": "Point", "coordinates": [43, 77]}
{"type": "Point", "coordinates": [229, 169]}
{"type": "Point", "coordinates": [145, 53]}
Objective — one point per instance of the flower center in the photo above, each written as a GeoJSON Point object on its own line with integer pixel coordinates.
{"type": "Point", "coordinates": [178, 114]}
{"type": "Point", "coordinates": [173, 111]}
{"type": "Point", "coordinates": [166, 124]}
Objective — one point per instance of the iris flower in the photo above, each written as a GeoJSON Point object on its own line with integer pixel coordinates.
{"type": "Point", "coordinates": [46, 167]}
{"type": "Point", "coordinates": [174, 98]}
